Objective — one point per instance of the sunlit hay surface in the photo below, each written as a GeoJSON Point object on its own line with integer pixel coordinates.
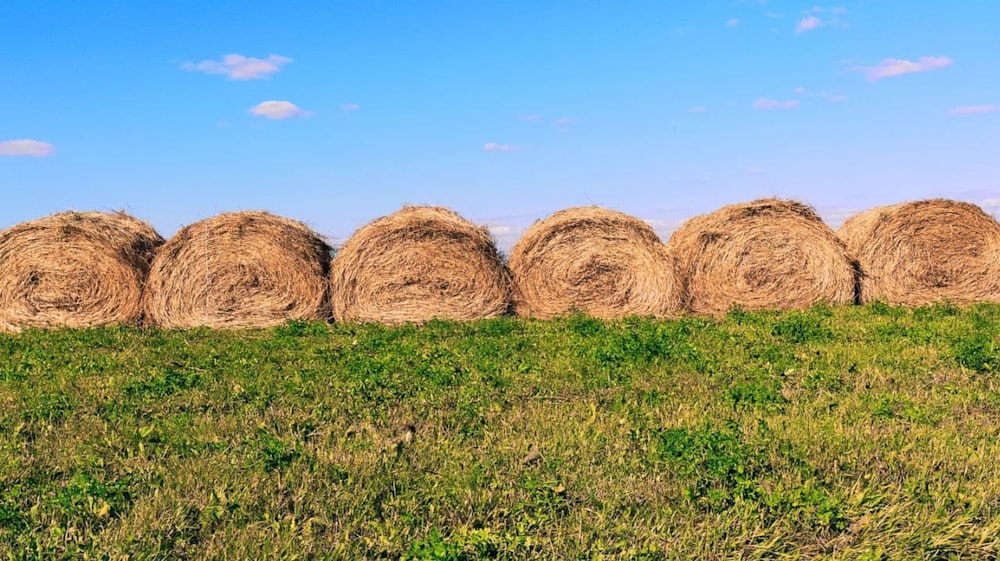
{"type": "Point", "coordinates": [417, 264]}
{"type": "Point", "coordinates": [239, 270]}
{"type": "Point", "coordinates": [597, 261]}
{"type": "Point", "coordinates": [768, 253]}
{"type": "Point", "coordinates": [74, 269]}
{"type": "Point", "coordinates": [921, 252]}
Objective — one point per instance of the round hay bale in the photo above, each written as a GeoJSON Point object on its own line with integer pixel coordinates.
{"type": "Point", "coordinates": [925, 251]}
{"type": "Point", "coordinates": [74, 269]}
{"type": "Point", "coordinates": [594, 260]}
{"type": "Point", "coordinates": [239, 270]}
{"type": "Point", "coordinates": [417, 264]}
{"type": "Point", "coordinates": [765, 254]}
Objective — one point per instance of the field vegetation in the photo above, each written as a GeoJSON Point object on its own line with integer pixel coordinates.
{"type": "Point", "coordinates": [866, 432]}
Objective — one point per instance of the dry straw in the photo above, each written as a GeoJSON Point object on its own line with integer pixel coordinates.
{"type": "Point", "coordinates": [74, 269]}
{"type": "Point", "coordinates": [925, 251]}
{"type": "Point", "coordinates": [239, 270]}
{"type": "Point", "coordinates": [593, 260]}
{"type": "Point", "coordinates": [417, 264]}
{"type": "Point", "coordinates": [768, 253]}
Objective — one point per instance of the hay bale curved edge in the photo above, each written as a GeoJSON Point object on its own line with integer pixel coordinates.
{"type": "Point", "coordinates": [74, 269]}
{"type": "Point", "coordinates": [239, 270]}
{"type": "Point", "coordinates": [417, 264]}
{"type": "Point", "coordinates": [926, 251]}
{"type": "Point", "coordinates": [764, 254]}
{"type": "Point", "coordinates": [594, 260]}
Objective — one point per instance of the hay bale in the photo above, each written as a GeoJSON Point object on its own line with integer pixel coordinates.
{"type": "Point", "coordinates": [74, 269]}
{"type": "Point", "coordinates": [416, 264]}
{"type": "Point", "coordinates": [239, 270]}
{"type": "Point", "coordinates": [768, 253]}
{"type": "Point", "coordinates": [594, 260]}
{"type": "Point", "coordinates": [925, 251]}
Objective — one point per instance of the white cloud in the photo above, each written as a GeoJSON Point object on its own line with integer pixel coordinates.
{"type": "Point", "coordinates": [531, 118]}
{"type": "Point", "coordinates": [808, 23]}
{"type": "Point", "coordinates": [239, 67]}
{"type": "Point", "coordinates": [278, 110]}
{"type": "Point", "coordinates": [698, 109]}
{"type": "Point", "coordinates": [897, 67]}
{"type": "Point", "coordinates": [494, 147]}
{"type": "Point", "coordinates": [500, 229]}
{"type": "Point", "coordinates": [765, 104]}
{"type": "Point", "coordinates": [800, 90]}
{"type": "Point", "coordinates": [755, 171]}
{"type": "Point", "coordinates": [733, 22]}
{"type": "Point", "coordinates": [565, 121]}
{"type": "Point", "coordinates": [833, 98]}
{"type": "Point", "coordinates": [350, 107]}
{"type": "Point", "coordinates": [818, 16]}
{"type": "Point", "coordinates": [26, 147]}
{"type": "Point", "coordinates": [972, 110]}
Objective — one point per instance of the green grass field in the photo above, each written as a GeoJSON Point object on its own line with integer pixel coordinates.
{"type": "Point", "coordinates": [848, 433]}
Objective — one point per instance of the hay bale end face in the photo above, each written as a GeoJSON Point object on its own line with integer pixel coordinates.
{"type": "Point", "coordinates": [74, 269]}
{"type": "Point", "coordinates": [768, 253]}
{"type": "Point", "coordinates": [921, 252]}
{"type": "Point", "coordinates": [417, 264]}
{"type": "Point", "coordinates": [593, 260]}
{"type": "Point", "coordinates": [239, 270]}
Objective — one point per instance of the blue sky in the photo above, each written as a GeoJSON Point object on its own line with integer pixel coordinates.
{"type": "Point", "coordinates": [338, 112]}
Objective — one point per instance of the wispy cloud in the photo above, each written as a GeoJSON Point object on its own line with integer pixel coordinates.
{"type": "Point", "coordinates": [494, 147]}
{"type": "Point", "coordinates": [564, 123]}
{"type": "Point", "coordinates": [818, 16]}
{"type": "Point", "coordinates": [733, 22]}
{"type": "Point", "coordinates": [891, 67]}
{"type": "Point", "coordinates": [766, 104]}
{"type": "Point", "coordinates": [278, 110]}
{"type": "Point", "coordinates": [972, 110]}
{"type": "Point", "coordinates": [800, 90]}
{"type": "Point", "coordinates": [531, 118]}
{"type": "Point", "coordinates": [833, 98]}
{"type": "Point", "coordinates": [755, 171]}
{"type": "Point", "coordinates": [808, 23]}
{"type": "Point", "coordinates": [350, 107]}
{"type": "Point", "coordinates": [239, 67]}
{"type": "Point", "coordinates": [26, 147]}
{"type": "Point", "coordinates": [698, 109]}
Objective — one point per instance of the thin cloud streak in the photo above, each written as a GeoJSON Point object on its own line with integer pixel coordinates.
{"type": "Point", "coordinates": [765, 104]}
{"type": "Point", "coordinates": [26, 147]}
{"type": "Point", "coordinates": [892, 67]}
{"type": "Point", "coordinates": [275, 110]}
{"type": "Point", "coordinates": [239, 67]}
{"type": "Point", "coordinates": [972, 110]}
{"type": "Point", "coordinates": [495, 147]}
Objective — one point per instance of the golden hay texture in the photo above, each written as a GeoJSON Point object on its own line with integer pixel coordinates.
{"type": "Point", "coordinates": [926, 251]}
{"type": "Point", "coordinates": [417, 264]}
{"type": "Point", "coordinates": [239, 270]}
{"type": "Point", "coordinates": [594, 260]}
{"type": "Point", "coordinates": [74, 269]}
{"type": "Point", "coordinates": [768, 253]}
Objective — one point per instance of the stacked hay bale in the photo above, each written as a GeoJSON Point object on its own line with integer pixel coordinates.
{"type": "Point", "coordinates": [417, 264]}
{"type": "Point", "coordinates": [74, 269]}
{"type": "Point", "coordinates": [925, 251]}
{"type": "Point", "coordinates": [597, 261]}
{"type": "Point", "coordinates": [768, 253]}
{"type": "Point", "coordinates": [239, 270]}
